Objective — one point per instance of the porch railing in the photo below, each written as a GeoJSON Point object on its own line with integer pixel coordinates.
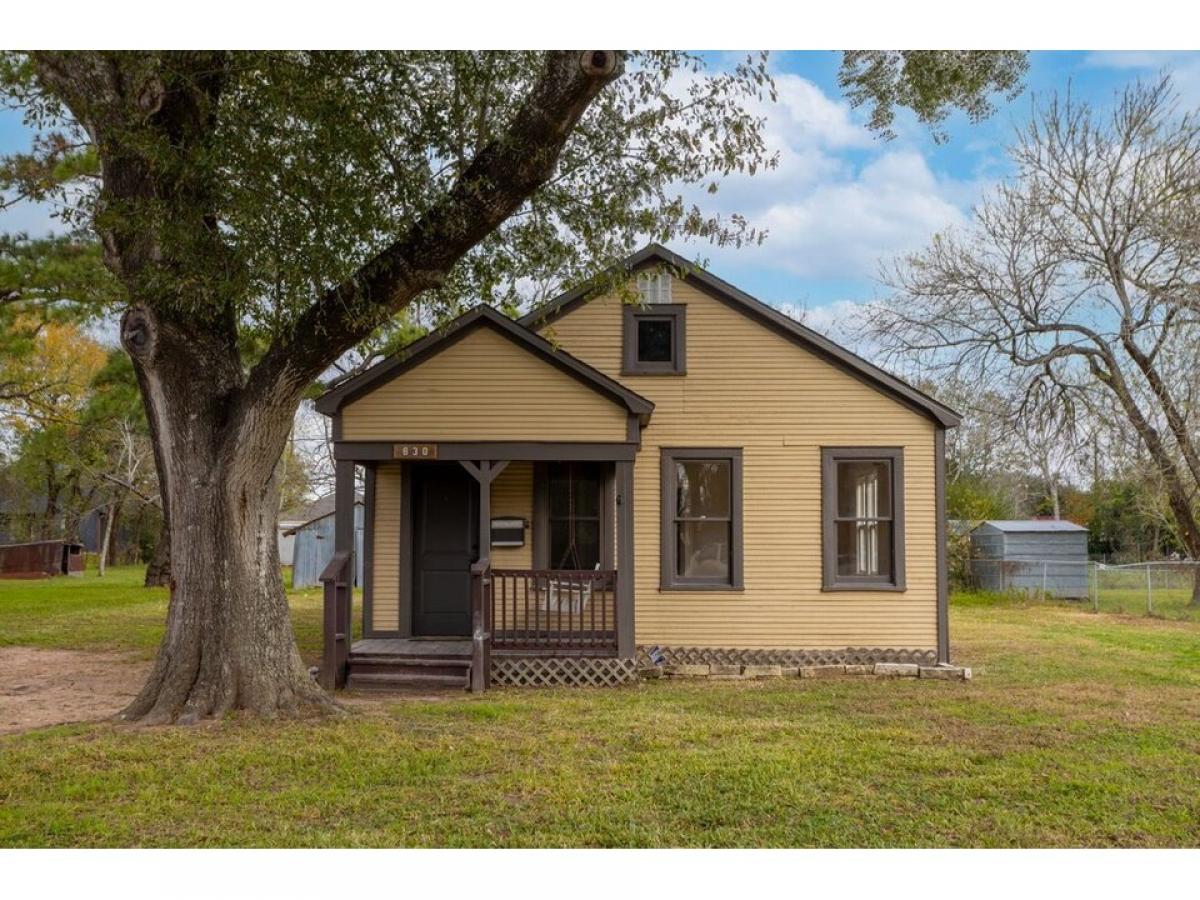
{"type": "Point", "coordinates": [571, 611]}
{"type": "Point", "coordinates": [338, 579]}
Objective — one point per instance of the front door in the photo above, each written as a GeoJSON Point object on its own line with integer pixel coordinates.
{"type": "Point", "coordinates": [445, 543]}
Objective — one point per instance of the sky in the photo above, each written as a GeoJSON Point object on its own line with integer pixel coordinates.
{"type": "Point", "coordinates": [842, 200]}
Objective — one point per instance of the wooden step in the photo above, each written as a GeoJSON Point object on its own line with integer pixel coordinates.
{"type": "Point", "coordinates": [399, 681]}
{"type": "Point", "coordinates": [384, 665]}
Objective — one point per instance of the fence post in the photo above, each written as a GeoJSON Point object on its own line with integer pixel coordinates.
{"type": "Point", "coordinates": [1044, 566]}
{"type": "Point", "coordinates": [1149, 591]}
{"type": "Point", "coordinates": [1095, 567]}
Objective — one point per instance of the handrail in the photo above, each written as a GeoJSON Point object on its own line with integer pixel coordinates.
{"type": "Point", "coordinates": [337, 579]}
{"type": "Point", "coordinates": [481, 636]}
{"type": "Point", "coordinates": [339, 561]}
{"type": "Point", "coordinates": [564, 611]}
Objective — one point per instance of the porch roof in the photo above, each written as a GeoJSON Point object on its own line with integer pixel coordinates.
{"type": "Point", "coordinates": [482, 316]}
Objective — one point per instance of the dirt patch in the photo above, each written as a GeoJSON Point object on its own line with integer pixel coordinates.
{"type": "Point", "coordinates": [52, 687]}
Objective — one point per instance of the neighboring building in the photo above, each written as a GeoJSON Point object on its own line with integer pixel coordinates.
{"type": "Point", "coordinates": [313, 546]}
{"type": "Point", "coordinates": [41, 559]}
{"type": "Point", "coordinates": [1032, 555]}
{"type": "Point", "coordinates": [695, 479]}
{"type": "Point", "coordinates": [291, 519]}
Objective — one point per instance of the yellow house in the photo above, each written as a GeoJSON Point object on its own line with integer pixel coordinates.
{"type": "Point", "coordinates": [690, 478]}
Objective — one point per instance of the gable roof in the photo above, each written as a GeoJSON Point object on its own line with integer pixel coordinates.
{"type": "Point", "coordinates": [320, 514]}
{"type": "Point", "coordinates": [481, 316]}
{"type": "Point", "coordinates": [316, 509]}
{"type": "Point", "coordinates": [763, 314]}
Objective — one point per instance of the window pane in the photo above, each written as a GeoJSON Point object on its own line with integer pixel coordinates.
{"type": "Point", "coordinates": [703, 549]}
{"type": "Point", "coordinates": [864, 489]}
{"type": "Point", "coordinates": [864, 548]}
{"type": "Point", "coordinates": [586, 480]}
{"type": "Point", "coordinates": [586, 551]}
{"type": "Point", "coordinates": [702, 488]}
{"type": "Point", "coordinates": [560, 498]}
{"type": "Point", "coordinates": [559, 542]}
{"type": "Point", "coordinates": [654, 340]}
{"type": "Point", "coordinates": [588, 486]}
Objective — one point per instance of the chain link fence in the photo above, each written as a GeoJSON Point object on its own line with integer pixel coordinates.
{"type": "Point", "coordinates": [1164, 588]}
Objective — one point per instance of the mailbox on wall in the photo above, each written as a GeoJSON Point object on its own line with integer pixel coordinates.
{"type": "Point", "coordinates": [508, 532]}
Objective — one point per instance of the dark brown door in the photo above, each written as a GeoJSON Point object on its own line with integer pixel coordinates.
{"type": "Point", "coordinates": [445, 543]}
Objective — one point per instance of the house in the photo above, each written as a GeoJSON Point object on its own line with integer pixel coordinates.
{"type": "Point", "coordinates": [694, 478]}
{"type": "Point", "coordinates": [1047, 556]}
{"type": "Point", "coordinates": [312, 547]}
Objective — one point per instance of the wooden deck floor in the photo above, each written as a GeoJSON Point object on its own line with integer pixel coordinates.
{"type": "Point", "coordinates": [412, 647]}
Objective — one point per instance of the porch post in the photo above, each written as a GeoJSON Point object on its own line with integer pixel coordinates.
{"type": "Point", "coordinates": [337, 612]}
{"type": "Point", "coordinates": [343, 507]}
{"type": "Point", "coordinates": [625, 574]}
{"type": "Point", "coordinates": [485, 472]}
{"type": "Point", "coordinates": [485, 510]}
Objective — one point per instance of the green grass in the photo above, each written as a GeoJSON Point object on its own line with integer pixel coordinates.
{"type": "Point", "coordinates": [115, 612]}
{"type": "Point", "coordinates": [1078, 730]}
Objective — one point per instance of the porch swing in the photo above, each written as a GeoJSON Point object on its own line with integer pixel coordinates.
{"type": "Point", "coordinates": [565, 595]}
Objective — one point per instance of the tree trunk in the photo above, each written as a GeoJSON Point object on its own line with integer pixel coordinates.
{"type": "Point", "coordinates": [104, 541]}
{"type": "Point", "coordinates": [158, 571]}
{"type": "Point", "coordinates": [114, 531]}
{"type": "Point", "coordinates": [229, 642]}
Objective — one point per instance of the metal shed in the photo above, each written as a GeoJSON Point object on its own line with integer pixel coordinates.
{"type": "Point", "coordinates": [313, 548]}
{"type": "Point", "coordinates": [1031, 555]}
{"type": "Point", "coordinates": [39, 559]}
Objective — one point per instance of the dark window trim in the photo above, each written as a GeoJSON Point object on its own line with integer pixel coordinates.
{"type": "Point", "coordinates": [541, 516]}
{"type": "Point", "coordinates": [830, 580]}
{"type": "Point", "coordinates": [677, 314]}
{"type": "Point", "coordinates": [668, 580]}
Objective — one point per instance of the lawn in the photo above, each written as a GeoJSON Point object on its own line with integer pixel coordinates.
{"type": "Point", "coordinates": [1078, 730]}
{"type": "Point", "coordinates": [115, 613]}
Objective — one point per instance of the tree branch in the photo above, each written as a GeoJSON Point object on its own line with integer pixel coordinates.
{"type": "Point", "coordinates": [498, 180]}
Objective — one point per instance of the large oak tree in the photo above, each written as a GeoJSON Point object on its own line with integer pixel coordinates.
{"type": "Point", "coordinates": [267, 212]}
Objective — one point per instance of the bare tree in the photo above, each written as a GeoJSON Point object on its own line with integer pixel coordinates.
{"type": "Point", "coordinates": [129, 466]}
{"type": "Point", "coordinates": [1079, 280]}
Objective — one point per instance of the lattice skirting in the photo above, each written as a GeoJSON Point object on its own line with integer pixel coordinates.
{"type": "Point", "coordinates": [855, 656]}
{"type": "Point", "coordinates": [532, 671]}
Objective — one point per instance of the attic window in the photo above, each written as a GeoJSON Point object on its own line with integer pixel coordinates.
{"type": "Point", "coordinates": [654, 340]}
{"type": "Point", "coordinates": [654, 288]}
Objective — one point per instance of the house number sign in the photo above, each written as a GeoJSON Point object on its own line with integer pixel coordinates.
{"type": "Point", "coordinates": [414, 451]}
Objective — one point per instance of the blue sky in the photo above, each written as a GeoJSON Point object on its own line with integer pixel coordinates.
{"type": "Point", "coordinates": [842, 199]}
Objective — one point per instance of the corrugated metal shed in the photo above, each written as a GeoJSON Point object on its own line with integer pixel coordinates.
{"type": "Point", "coordinates": [1031, 555]}
{"type": "Point", "coordinates": [313, 548]}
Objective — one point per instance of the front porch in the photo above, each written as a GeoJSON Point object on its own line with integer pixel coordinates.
{"type": "Point", "coordinates": [447, 602]}
{"type": "Point", "coordinates": [476, 527]}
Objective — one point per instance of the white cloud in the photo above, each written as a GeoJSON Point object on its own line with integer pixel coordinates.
{"type": "Point", "coordinates": [1125, 59]}
{"type": "Point", "coordinates": [840, 199]}
{"type": "Point", "coordinates": [843, 224]}
{"type": "Point", "coordinates": [1183, 67]}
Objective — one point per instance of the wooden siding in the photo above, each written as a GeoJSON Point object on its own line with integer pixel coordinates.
{"type": "Point", "coordinates": [385, 587]}
{"type": "Point", "coordinates": [484, 387]}
{"type": "Point", "coordinates": [512, 495]}
{"type": "Point", "coordinates": [748, 386]}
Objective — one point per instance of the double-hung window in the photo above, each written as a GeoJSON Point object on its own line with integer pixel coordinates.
{"type": "Point", "coordinates": [863, 518]}
{"type": "Point", "coordinates": [701, 544]}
